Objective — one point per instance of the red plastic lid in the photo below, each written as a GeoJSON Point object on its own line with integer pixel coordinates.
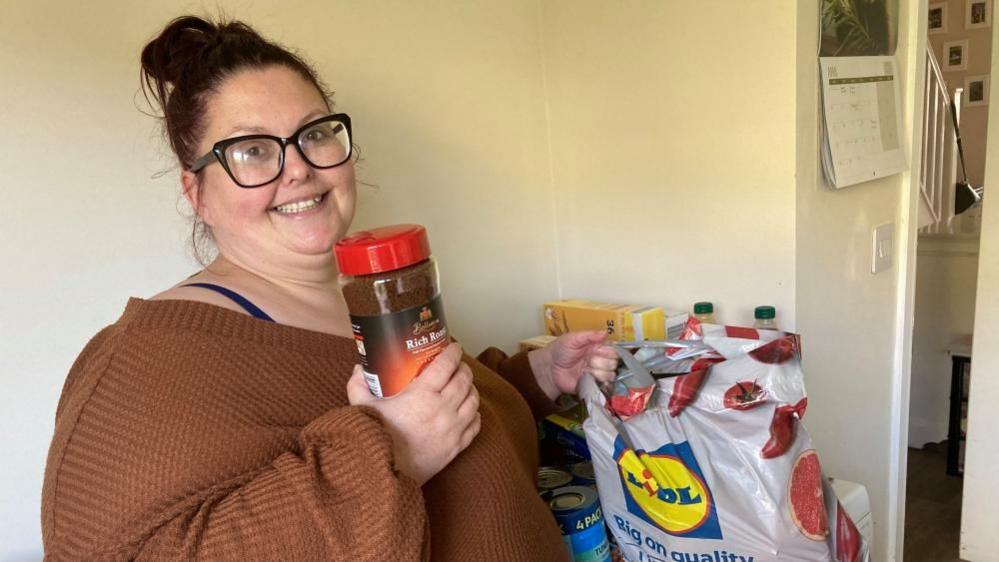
{"type": "Point", "coordinates": [382, 249]}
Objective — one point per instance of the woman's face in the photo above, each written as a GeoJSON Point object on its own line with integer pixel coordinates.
{"type": "Point", "coordinates": [263, 226]}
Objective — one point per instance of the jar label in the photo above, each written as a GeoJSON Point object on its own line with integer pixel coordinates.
{"type": "Point", "coordinates": [395, 347]}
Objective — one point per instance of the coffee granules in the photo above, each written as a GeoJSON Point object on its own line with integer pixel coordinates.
{"type": "Point", "coordinates": [391, 285]}
{"type": "Point", "coordinates": [385, 293]}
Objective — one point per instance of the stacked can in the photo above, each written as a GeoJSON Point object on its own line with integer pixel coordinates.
{"type": "Point", "coordinates": [551, 478]}
{"type": "Point", "coordinates": [583, 475]}
{"type": "Point", "coordinates": [577, 510]}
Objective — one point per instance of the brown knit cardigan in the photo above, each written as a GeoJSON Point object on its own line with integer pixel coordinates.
{"type": "Point", "coordinates": [186, 431]}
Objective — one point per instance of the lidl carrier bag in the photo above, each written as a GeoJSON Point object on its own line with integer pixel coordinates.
{"type": "Point", "coordinates": [718, 467]}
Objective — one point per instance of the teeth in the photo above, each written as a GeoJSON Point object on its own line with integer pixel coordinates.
{"type": "Point", "coordinates": [300, 206]}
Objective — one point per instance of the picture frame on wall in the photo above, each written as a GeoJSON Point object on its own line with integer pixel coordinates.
{"type": "Point", "coordinates": [937, 19]}
{"type": "Point", "coordinates": [976, 90]}
{"type": "Point", "coordinates": [978, 14]}
{"type": "Point", "coordinates": [955, 55]}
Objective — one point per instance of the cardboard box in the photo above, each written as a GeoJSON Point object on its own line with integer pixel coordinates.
{"type": "Point", "coordinates": [623, 322]}
{"type": "Point", "coordinates": [537, 342]}
{"type": "Point", "coordinates": [675, 322]}
{"type": "Point", "coordinates": [566, 437]}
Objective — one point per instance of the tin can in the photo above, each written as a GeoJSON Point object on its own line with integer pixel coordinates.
{"type": "Point", "coordinates": [577, 510]}
{"type": "Point", "coordinates": [582, 474]}
{"type": "Point", "coordinates": [551, 478]}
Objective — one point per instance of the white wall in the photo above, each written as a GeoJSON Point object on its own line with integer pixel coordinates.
{"type": "Point", "coordinates": [84, 225]}
{"type": "Point", "coordinates": [447, 97]}
{"type": "Point", "coordinates": [673, 152]}
{"type": "Point", "coordinates": [848, 318]}
{"type": "Point", "coordinates": [447, 104]}
{"type": "Point", "coordinates": [946, 275]}
{"type": "Point", "coordinates": [979, 540]}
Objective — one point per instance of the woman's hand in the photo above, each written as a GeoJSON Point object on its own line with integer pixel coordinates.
{"type": "Point", "coordinates": [559, 365]}
{"type": "Point", "coordinates": [431, 420]}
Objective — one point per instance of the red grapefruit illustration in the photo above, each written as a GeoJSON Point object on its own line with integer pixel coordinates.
{"type": "Point", "coordinates": [778, 351]}
{"type": "Point", "coordinates": [805, 499]}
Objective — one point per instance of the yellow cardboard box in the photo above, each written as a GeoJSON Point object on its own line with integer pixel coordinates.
{"type": "Point", "coordinates": [537, 342]}
{"type": "Point", "coordinates": [623, 322]}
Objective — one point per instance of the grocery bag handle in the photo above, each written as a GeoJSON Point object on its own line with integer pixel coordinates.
{"type": "Point", "coordinates": [589, 390]}
{"type": "Point", "coordinates": [637, 375]}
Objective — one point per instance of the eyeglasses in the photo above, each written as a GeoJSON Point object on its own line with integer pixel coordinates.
{"type": "Point", "coordinates": [256, 160]}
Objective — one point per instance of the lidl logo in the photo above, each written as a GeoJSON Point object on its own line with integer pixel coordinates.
{"type": "Point", "coordinates": [666, 488]}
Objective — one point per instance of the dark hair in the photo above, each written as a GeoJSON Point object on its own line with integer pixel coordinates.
{"type": "Point", "coordinates": [187, 63]}
{"type": "Point", "coordinates": [191, 58]}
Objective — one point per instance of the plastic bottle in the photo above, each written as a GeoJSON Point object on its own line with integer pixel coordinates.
{"type": "Point", "coordinates": [766, 318]}
{"type": "Point", "coordinates": [704, 312]}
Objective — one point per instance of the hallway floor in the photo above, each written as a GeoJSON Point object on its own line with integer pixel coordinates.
{"type": "Point", "coordinates": [933, 507]}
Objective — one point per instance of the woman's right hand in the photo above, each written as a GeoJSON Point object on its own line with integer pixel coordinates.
{"type": "Point", "coordinates": [431, 420]}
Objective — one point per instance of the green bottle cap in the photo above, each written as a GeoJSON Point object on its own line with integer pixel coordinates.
{"type": "Point", "coordinates": [704, 307]}
{"type": "Point", "coordinates": [765, 313]}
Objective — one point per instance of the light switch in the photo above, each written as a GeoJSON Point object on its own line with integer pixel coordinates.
{"type": "Point", "coordinates": [884, 247]}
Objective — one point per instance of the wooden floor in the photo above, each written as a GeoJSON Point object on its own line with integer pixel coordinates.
{"type": "Point", "coordinates": [932, 507]}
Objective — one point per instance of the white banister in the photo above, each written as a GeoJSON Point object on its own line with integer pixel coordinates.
{"type": "Point", "coordinates": [938, 169]}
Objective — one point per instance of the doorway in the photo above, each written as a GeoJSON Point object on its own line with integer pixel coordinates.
{"type": "Point", "coordinates": [959, 47]}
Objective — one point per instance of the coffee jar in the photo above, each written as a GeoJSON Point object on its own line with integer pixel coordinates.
{"type": "Point", "coordinates": [392, 288]}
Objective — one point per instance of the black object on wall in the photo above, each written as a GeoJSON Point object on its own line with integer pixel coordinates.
{"type": "Point", "coordinates": [965, 196]}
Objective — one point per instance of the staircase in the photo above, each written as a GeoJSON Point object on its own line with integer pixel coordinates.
{"type": "Point", "coordinates": [938, 172]}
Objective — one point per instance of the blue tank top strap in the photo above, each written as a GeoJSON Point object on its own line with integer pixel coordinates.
{"type": "Point", "coordinates": [237, 298]}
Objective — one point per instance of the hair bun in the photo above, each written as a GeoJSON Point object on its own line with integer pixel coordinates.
{"type": "Point", "coordinates": [190, 59]}
{"type": "Point", "coordinates": [184, 40]}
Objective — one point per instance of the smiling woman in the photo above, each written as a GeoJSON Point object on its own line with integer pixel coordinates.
{"type": "Point", "coordinates": [276, 178]}
{"type": "Point", "coordinates": [225, 418]}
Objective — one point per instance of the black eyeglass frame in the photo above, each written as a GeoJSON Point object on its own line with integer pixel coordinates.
{"type": "Point", "coordinates": [218, 149]}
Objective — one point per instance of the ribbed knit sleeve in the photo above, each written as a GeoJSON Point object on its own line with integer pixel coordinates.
{"type": "Point", "coordinates": [336, 494]}
{"type": "Point", "coordinates": [517, 371]}
{"type": "Point", "coordinates": [189, 445]}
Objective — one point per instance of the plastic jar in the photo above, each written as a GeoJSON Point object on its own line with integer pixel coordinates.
{"type": "Point", "coordinates": [704, 312]}
{"type": "Point", "coordinates": [392, 288]}
{"type": "Point", "coordinates": [766, 318]}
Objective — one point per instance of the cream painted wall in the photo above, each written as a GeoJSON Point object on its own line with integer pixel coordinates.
{"type": "Point", "coordinates": [673, 152]}
{"type": "Point", "coordinates": [946, 275]}
{"type": "Point", "coordinates": [84, 223]}
{"type": "Point", "coordinates": [979, 540]}
{"type": "Point", "coordinates": [448, 97]}
{"type": "Point", "coordinates": [974, 120]}
{"type": "Point", "coordinates": [447, 104]}
{"type": "Point", "coordinates": [849, 319]}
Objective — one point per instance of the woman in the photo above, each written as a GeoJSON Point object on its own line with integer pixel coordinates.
{"type": "Point", "coordinates": [225, 417]}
